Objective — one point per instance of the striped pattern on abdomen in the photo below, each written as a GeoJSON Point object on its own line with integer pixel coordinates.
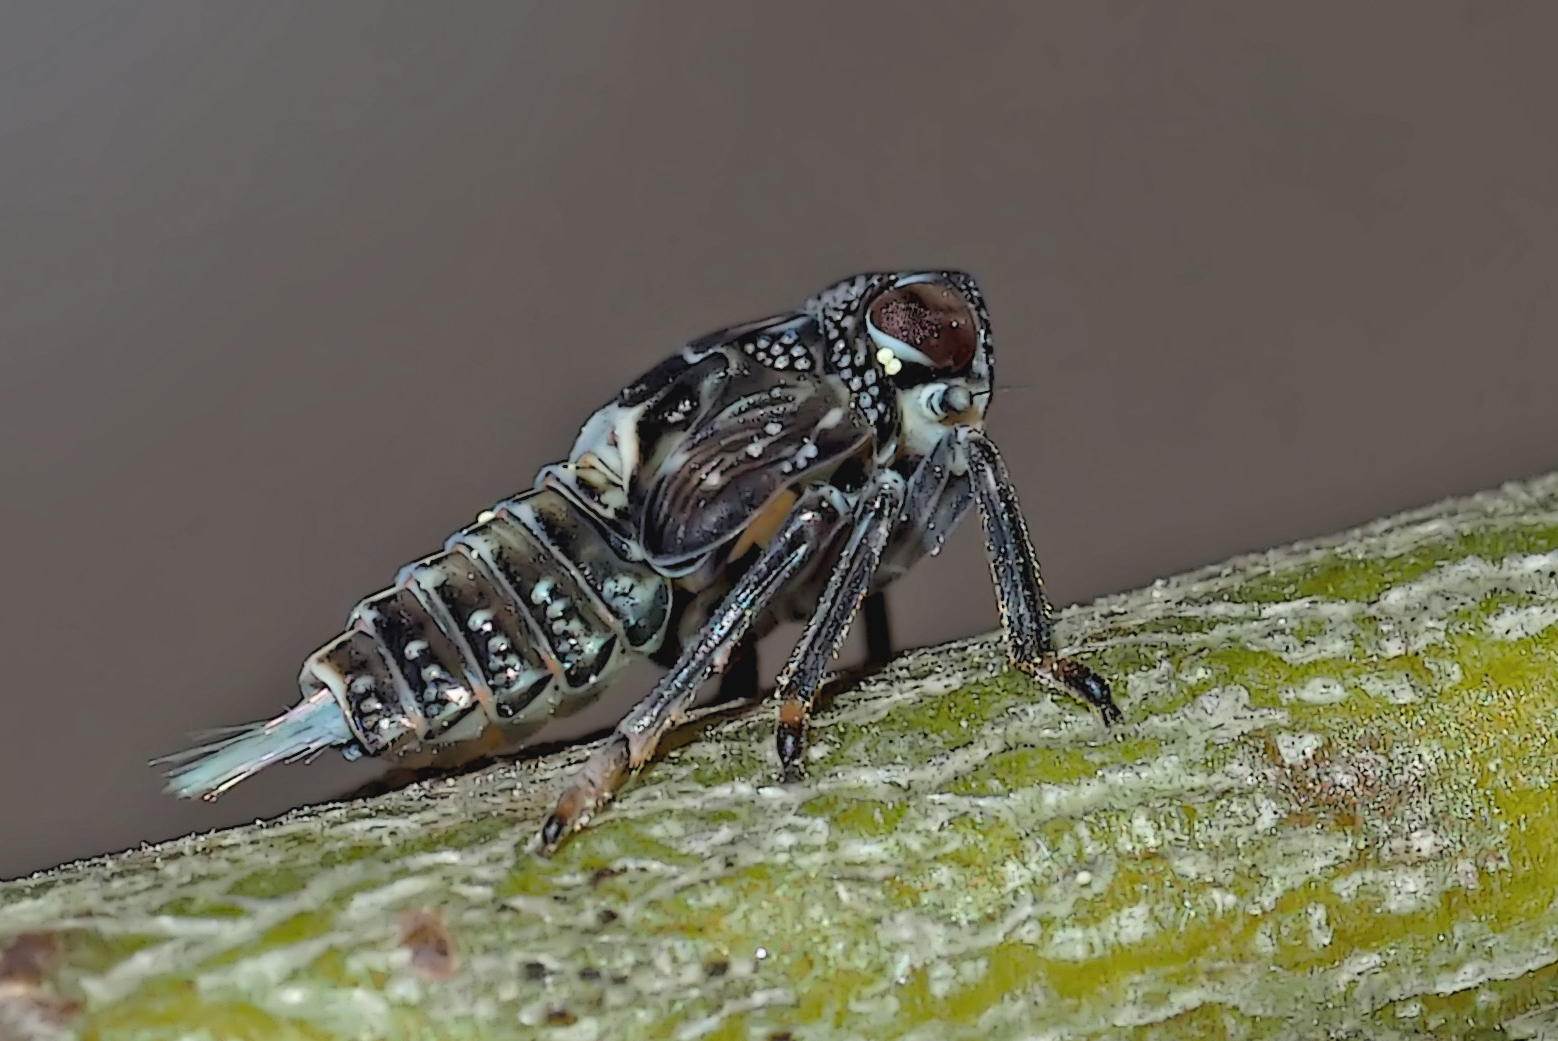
{"type": "Point", "coordinates": [521, 617]}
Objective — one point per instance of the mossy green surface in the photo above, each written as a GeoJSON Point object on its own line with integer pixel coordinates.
{"type": "Point", "coordinates": [1329, 813]}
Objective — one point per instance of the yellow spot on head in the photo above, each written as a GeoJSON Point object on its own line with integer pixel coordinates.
{"type": "Point", "coordinates": [888, 361]}
{"type": "Point", "coordinates": [484, 516]}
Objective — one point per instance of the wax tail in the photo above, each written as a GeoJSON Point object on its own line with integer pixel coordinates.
{"type": "Point", "coordinates": [306, 729]}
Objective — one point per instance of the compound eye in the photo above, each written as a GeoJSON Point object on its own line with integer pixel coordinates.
{"type": "Point", "coordinates": [929, 323]}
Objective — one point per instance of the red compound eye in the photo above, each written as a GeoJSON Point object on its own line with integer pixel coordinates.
{"type": "Point", "coordinates": [930, 317]}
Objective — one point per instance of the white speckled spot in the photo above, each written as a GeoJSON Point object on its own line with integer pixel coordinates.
{"type": "Point", "coordinates": [1394, 687]}
{"type": "Point", "coordinates": [1517, 623]}
{"type": "Point", "coordinates": [1297, 748]}
{"type": "Point", "coordinates": [1320, 931]}
{"type": "Point", "coordinates": [1319, 691]}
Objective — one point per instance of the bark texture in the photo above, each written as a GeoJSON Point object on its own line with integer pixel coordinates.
{"type": "Point", "coordinates": [1329, 813]}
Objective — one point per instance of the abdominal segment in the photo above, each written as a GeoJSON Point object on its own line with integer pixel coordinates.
{"type": "Point", "coordinates": [523, 616]}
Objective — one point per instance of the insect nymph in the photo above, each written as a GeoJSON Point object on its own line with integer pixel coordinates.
{"type": "Point", "coordinates": [785, 469]}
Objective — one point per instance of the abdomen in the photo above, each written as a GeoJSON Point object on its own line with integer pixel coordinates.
{"type": "Point", "coordinates": [521, 617]}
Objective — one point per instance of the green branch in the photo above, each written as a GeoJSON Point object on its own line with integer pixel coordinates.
{"type": "Point", "coordinates": [1328, 813]}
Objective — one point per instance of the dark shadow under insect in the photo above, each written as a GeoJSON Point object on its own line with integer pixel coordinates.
{"type": "Point", "coordinates": [783, 470]}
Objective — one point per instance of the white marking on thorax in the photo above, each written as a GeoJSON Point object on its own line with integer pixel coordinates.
{"type": "Point", "coordinates": [611, 437]}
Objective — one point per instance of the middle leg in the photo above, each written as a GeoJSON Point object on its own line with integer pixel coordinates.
{"type": "Point", "coordinates": [875, 518]}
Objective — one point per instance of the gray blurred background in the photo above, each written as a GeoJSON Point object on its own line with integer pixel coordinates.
{"type": "Point", "coordinates": [289, 291]}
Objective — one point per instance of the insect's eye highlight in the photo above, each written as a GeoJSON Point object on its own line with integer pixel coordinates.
{"type": "Point", "coordinates": [927, 323]}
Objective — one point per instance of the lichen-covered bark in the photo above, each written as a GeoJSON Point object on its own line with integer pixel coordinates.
{"type": "Point", "coordinates": [1329, 813]}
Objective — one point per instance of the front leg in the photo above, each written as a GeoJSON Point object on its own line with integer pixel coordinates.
{"type": "Point", "coordinates": [1026, 614]}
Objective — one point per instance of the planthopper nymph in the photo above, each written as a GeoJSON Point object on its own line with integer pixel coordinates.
{"type": "Point", "coordinates": [782, 470]}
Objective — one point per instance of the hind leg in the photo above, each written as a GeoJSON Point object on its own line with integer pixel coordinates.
{"type": "Point", "coordinates": [806, 531]}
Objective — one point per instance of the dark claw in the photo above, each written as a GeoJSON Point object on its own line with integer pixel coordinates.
{"type": "Point", "coordinates": [591, 788]}
{"type": "Point", "coordinates": [1090, 686]}
{"type": "Point", "coordinates": [790, 742]}
{"type": "Point", "coordinates": [552, 832]}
